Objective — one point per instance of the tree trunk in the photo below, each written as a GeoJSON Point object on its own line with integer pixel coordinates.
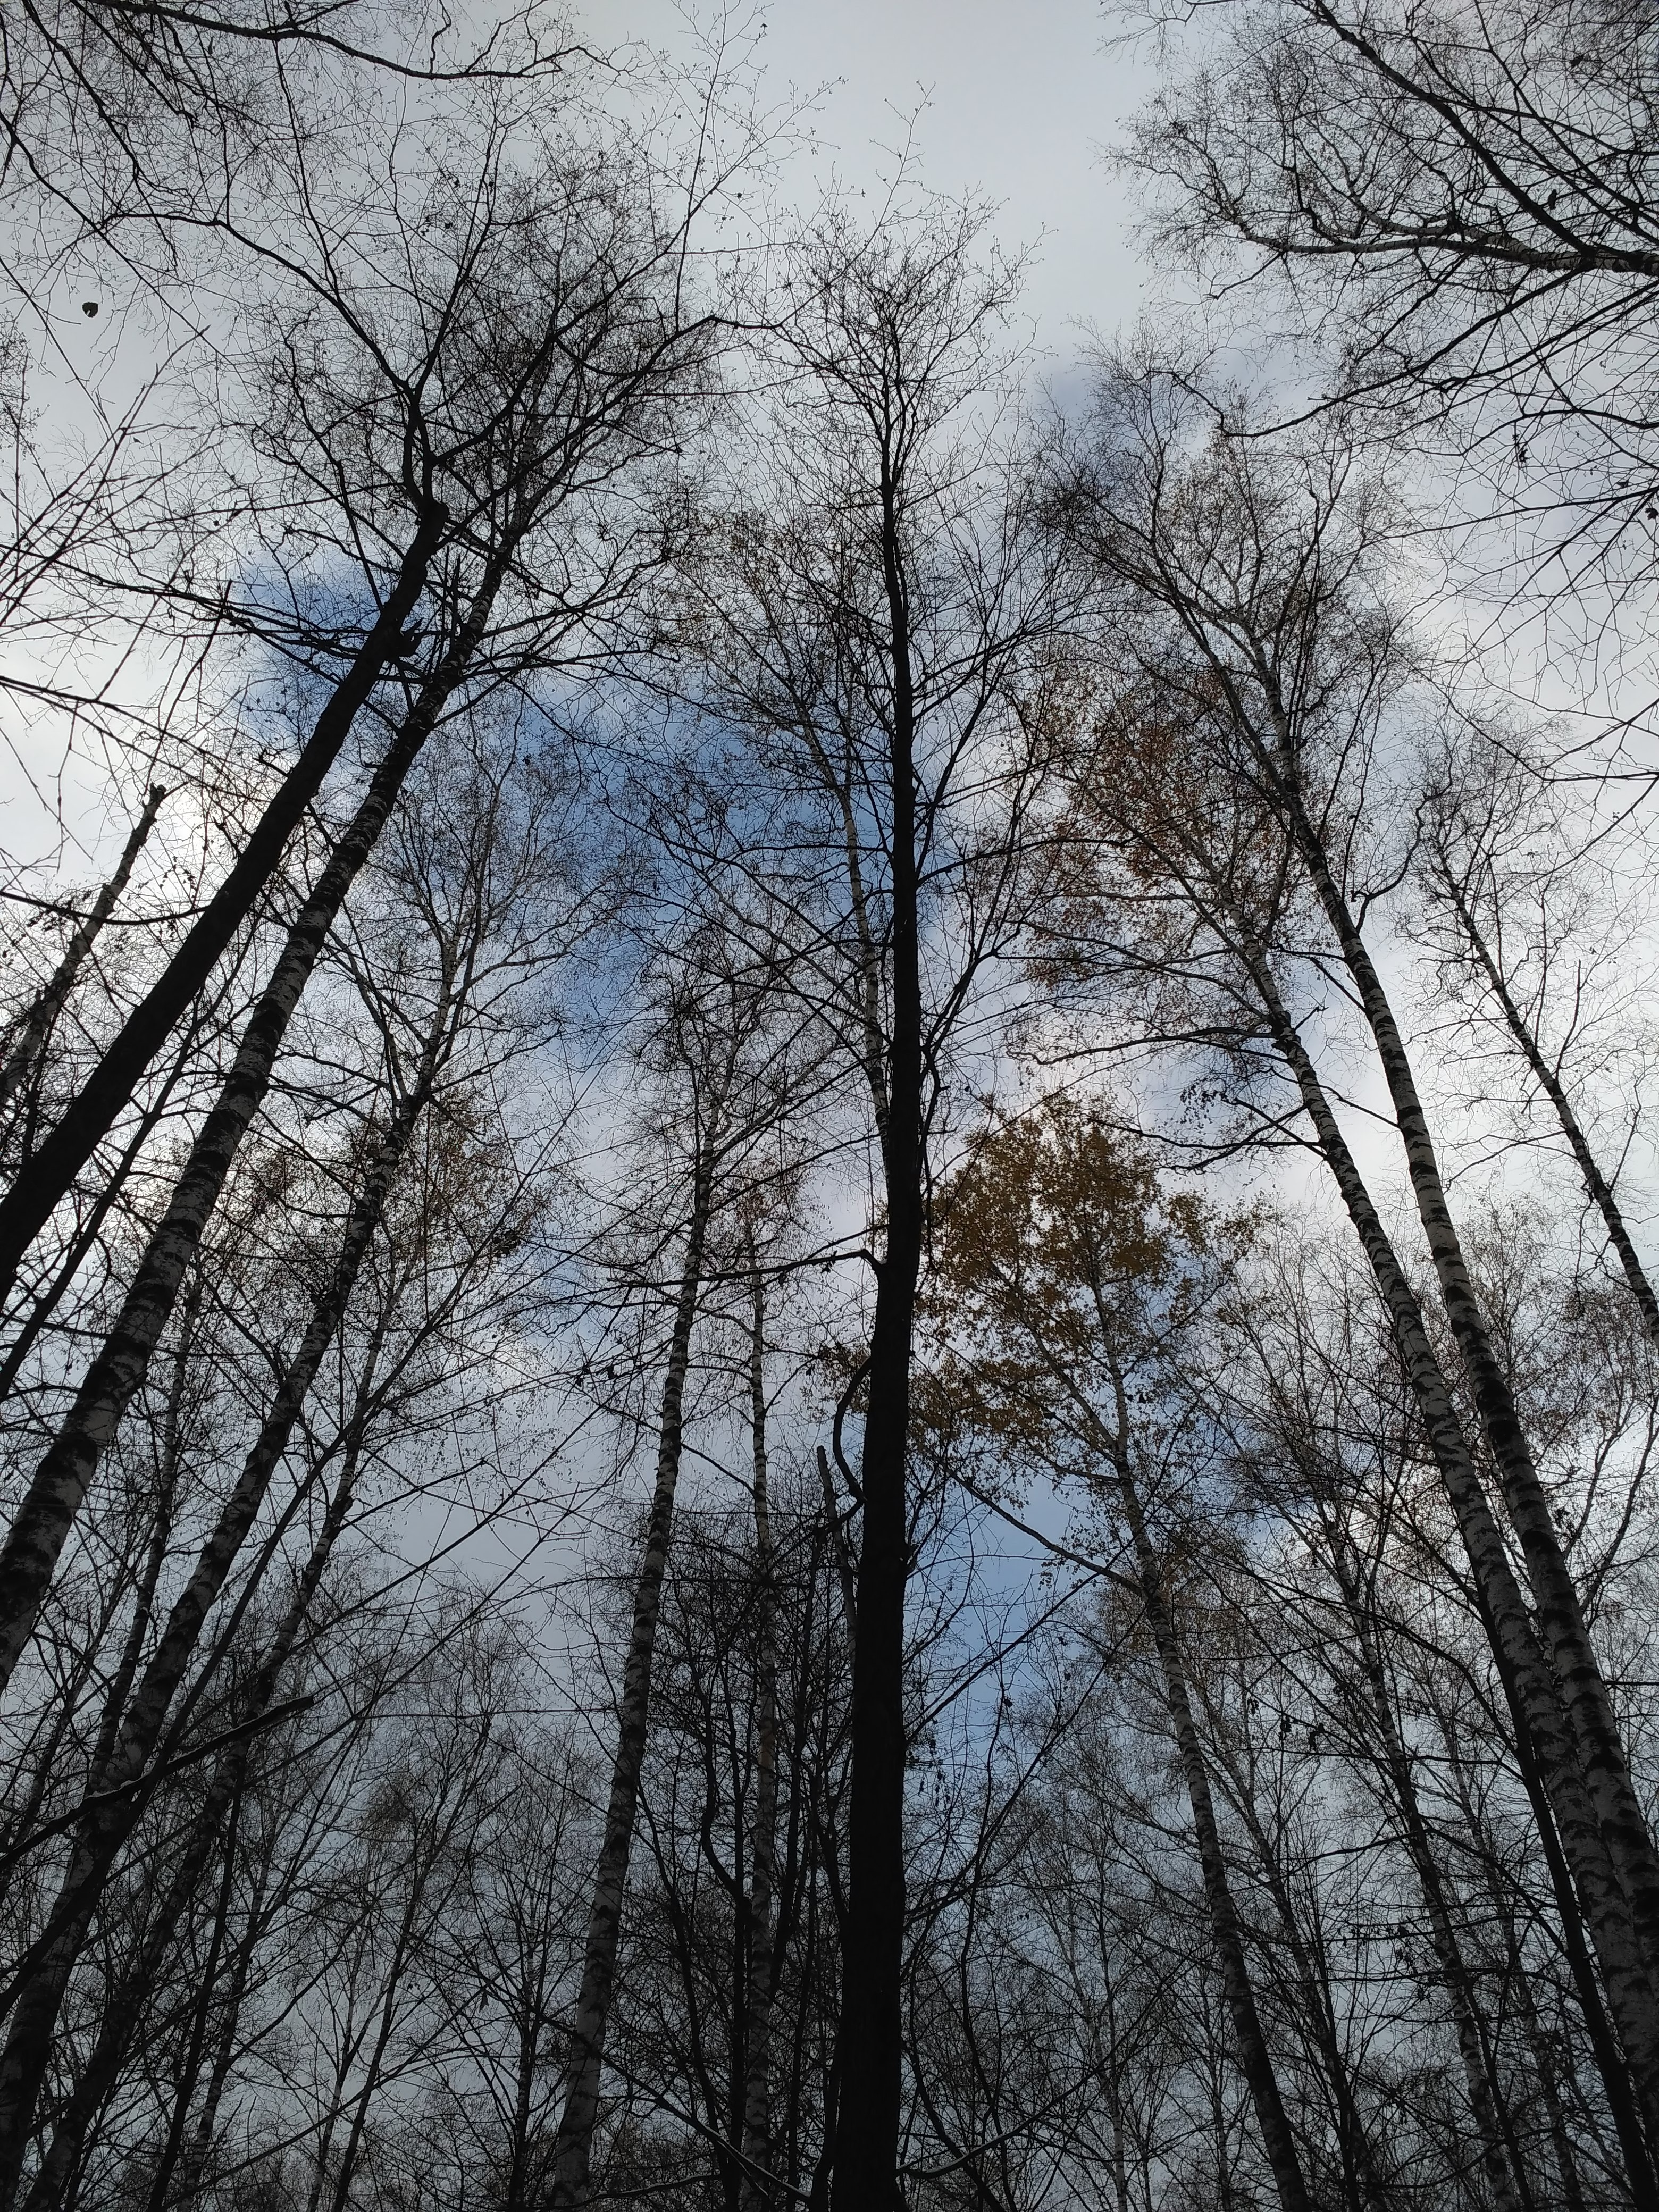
{"type": "Point", "coordinates": [195, 2157]}
{"type": "Point", "coordinates": [124, 2011]}
{"type": "Point", "coordinates": [1597, 1188]}
{"type": "Point", "coordinates": [572, 2146]}
{"type": "Point", "coordinates": [196, 2053]}
{"type": "Point", "coordinates": [54, 1167]}
{"type": "Point", "coordinates": [22, 2064]}
{"type": "Point", "coordinates": [1362, 2180]}
{"type": "Point", "coordinates": [1593, 1725]}
{"type": "Point", "coordinates": [1505, 2176]}
{"type": "Point", "coordinates": [869, 2041]}
{"type": "Point", "coordinates": [116, 1809]}
{"type": "Point", "coordinates": [43, 1521]}
{"type": "Point", "coordinates": [1254, 2058]}
{"type": "Point", "coordinates": [1522, 1664]}
{"type": "Point", "coordinates": [1490, 1859]}
{"type": "Point", "coordinates": [41, 1306]}
{"type": "Point", "coordinates": [754, 2194]}
{"type": "Point", "coordinates": [126, 2007]}
{"type": "Point", "coordinates": [37, 1024]}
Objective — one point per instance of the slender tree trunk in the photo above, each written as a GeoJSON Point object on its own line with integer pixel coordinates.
{"type": "Point", "coordinates": [54, 1165]}
{"type": "Point", "coordinates": [835, 1529]}
{"type": "Point", "coordinates": [116, 1810]}
{"type": "Point", "coordinates": [1115, 2100]}
{"type": "Point", "coordinates": [1521, 1665]}
{"type": "Point", "coordinates": [1506, 2180]}
{"type": "Point", "coordinates": [572, 2146]}
{"type": "Point", "coordinates": [1215, 2074]}
{"type": "Point", "coordinates": [44, 1302]}
{"type": "Point", "coordinates": [516, 2196]}
{"type": "Point", "coordinates": [871, 2040]}
{"type": "Point", "coordinates": [196, 2156]}
{"type": "Point", "coordinates": [1591, 1716]}
{"type": "Point", "coordinates": [1254, 2059]}
{"type": "Point", "coordinates": [43, 1521]}
{"type": "Point", "coordinates": [143, 1606]}
{"type": "Point", "coordinates": [754, 2193]}
{"type": "Point", "coordinates": [190, 2073]}
{"type": "Point", "coordinates": [127, 2007]}
{"type": "Point", "coordinates": [37, 1024]}
{"type": "Point", "coordinates": [201, 2016]}
{"type": "Point", "coordinates": [1488, 1858]}
{"type": "Point", "coordinates": [334, 1521]}
{"type": "Point", "coordinates": [1597, 1188]}
{"type": "Point", "coordinates": [1362, 2180]}
{"type": "Point", "coordinates": [125, 2010]}
{"type": "Point", "coordinates": [1609, 2059]}
{"type": "Point", "coordinates": [415, 1897]}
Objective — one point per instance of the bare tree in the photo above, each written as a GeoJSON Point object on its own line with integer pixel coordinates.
{"type": "Point", "coordinates": [1262, 637]}
{"type": "Point", "coordinates": [880, 630]}
{"type": "Point", "coordinates": [1466, 213]}
{"type": "Point", "coordinates": [560, 386]}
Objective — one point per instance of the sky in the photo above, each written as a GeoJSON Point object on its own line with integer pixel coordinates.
{"type": "Point", "coordinates": [1016, 102]}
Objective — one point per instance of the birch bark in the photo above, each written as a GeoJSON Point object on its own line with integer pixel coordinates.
{"type": "Point", "coordinates": [1593, 1725]}
{"type": "Point", "coordinates": [1521, 1659]}
{"type": "Point", "coordinates": [118, 1805]}
{"type": "Point", "coordinates": [124, 2014]}
{"type": "Point", "coordinates": [37, 1024]}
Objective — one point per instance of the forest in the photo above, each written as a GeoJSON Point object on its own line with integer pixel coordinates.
{"type": "Point", "coordinates": [828, 1202]}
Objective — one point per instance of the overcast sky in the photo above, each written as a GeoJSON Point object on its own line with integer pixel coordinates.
{"type": "Point", "coordinates": [1020, 101]}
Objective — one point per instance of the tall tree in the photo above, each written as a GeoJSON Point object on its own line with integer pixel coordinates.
{"type": "Point", "coordinates": [879, 628]}
{"type": "Point", "coordinates": [556, 387]}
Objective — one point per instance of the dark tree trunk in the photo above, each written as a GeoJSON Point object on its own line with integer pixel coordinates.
{"type": "Point", "coordinates": [54, 1165]}
{"type": "Point", "coordinates": [572, 2146]}
{"type": "Point", "coordinates": [60, 1483]}
{"type": "Point", "coordinates": [870, 2044]}
{"type": "Point", "coordinates": [1597, 1188]}
{"type": "Point", "coordinates": [124, 2012]}
{"type": "Point", "coordinates": [1506, 2180]}
{"type": "Point", "coordinates": [24, 2060]}
{"type": "Point", "coordinates": [1254, 2058]}
{"type": "Point", "coordinates": [754, 2193]}
{"type": "Point", "coordinates": [36, 1025]}
{"type": "Point", "coordinates": [127, 2006]}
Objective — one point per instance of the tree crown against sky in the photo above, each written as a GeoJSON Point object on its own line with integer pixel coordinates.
{"type": "Point", "coordinates": [827, 1375]}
